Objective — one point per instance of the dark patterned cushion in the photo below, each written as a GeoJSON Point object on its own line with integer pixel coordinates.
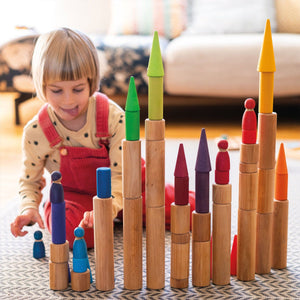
{"type": "Point", "coordinates": [122, 57]}
{"type": "Point", "coordinates": [15, 64]}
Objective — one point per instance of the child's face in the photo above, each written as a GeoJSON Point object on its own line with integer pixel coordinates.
{"type": "Point", "coordinates": [69, 99]}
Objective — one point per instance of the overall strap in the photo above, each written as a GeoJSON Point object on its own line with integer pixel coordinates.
{"type": "Point", "coordinates": [48, 127]}
{"type": "Point", "coordinates": [102, 108]}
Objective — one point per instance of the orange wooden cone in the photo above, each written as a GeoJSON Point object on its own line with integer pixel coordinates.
{"type": "Point", "coordinates": [280, 214]}
{"type": "Point", "coordinates": [281, 175]}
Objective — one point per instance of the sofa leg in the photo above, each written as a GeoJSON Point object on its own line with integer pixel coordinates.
{"type": "Point", "coordinates": [22, 98]}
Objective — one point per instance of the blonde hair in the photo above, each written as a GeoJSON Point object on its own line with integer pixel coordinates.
{"type": "Point", "coordinates": [64, 55]}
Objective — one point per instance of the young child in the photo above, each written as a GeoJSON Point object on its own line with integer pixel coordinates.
{"type": "Point", "coordinates": [75, 132]}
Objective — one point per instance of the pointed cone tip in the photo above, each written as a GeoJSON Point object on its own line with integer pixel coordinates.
{"type": "Point", "coordinates": [181, 167]}
{"type": "Point", "coordinates": [266, 62]}
{"type": "Point", "coordinates": [203, 160]}
{"type": "Point", "coordinates": [155, 66]}
{"type": "Point", "coordinates": [281, 166]}
{"type": "Point", "coordinates": [132, 102]}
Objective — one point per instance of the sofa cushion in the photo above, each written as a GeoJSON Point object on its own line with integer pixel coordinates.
{"type": "Point", "coordinates": [231, 16]}
{"type": "Point", "coordinates": [124, 56]}
{"type": "Point", "coordinates": [226, 65]}
{"type": "Point", "coordinates": [15, 64]}
{"type": "Point", "coordinates": [288, 16]}
{"type": "Point", "coordinates": [168, 17]}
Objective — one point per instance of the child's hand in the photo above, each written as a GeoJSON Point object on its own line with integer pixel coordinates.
{"type": "Point", "coordinates": [88, 220]}
{"type": "Point", "coordinates": [30, 216]}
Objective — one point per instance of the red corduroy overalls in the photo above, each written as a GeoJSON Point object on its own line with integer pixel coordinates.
{"type": "Point", "coordinates": [78, 168]}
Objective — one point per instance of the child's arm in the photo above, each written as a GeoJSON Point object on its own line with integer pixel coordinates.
{"type": "Point", "coordinates": [35, 152]}
{"type": "Point", "coordinates": [31, 178]}
{"type": "Point", "coordinates": [29, 216]}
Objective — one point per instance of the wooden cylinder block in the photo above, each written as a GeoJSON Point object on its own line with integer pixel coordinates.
{"type": "Point", "coordinates": [246, 244]}
{"type": "Point", "coordinates": [221, 193]}
{"type": "Point", "coordinates": [266, 186]}
{"type": "Point", "coordinates": [58, 276]}
{"type": "Point", "coordinates": [59, 253]}
{"type": "Point", "coordinates": [132, 174]}
{"type": "Point", "coordinates": [248, 168]}
{"type": "Point", "coordinates": [248, 191]}
{"type": "Point", "coordinates": [267, 126]}
{"type": "Point", "coordinates": [132, 242]}
{"type": "Point", "coordinates": [249, 153]}
{"type": "Point", "coordinates": [180, 253]}
{"type": "Point", "coordinates": [104, 243]}
{"type": "Point", "coordinates": [180, 218]}
{"type": "Point", "coordinates": [263, 243]}
{"type": "Point", "coordinates": [80, 282]}
{"type": "Point", "coordinates": [221, 243]}
{"type": "Point", "coordinates": [179, 283]}
{"type": "Point", "coordinates": [200, 263]}
{"type": "Point", "coordinates": [280, 234]}
{"type": "Point", "coordinates": [201, 231]}
{"type": "Point", "coordinates": [155, 247]}
{"type": "Point", "coordinates": [154, 130]}
{"type": "Point", "coordinates": [155, 173]}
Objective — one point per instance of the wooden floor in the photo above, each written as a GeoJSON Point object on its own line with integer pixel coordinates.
{"type": "Point", "coordinates": [181, 123]}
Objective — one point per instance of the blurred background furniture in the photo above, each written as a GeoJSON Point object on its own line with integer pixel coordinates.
{"type": "Point", "coordinates": [210, 49]}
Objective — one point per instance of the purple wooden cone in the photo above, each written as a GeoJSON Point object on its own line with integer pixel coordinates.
{"type": "Point", "coordinates": [202, 169]}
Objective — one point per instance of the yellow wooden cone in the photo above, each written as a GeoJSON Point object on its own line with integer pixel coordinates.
{"type": "Point", "coordinates": [266, 67]}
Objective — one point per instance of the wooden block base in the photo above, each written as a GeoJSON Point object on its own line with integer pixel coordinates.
{"type": "Point", "coordinates": [246, 245]}
{"type": "Point", "coordinates": [59, 253]}
{"type": "Point", "coordinates": [249, 154]}
{"type": "Point", "coordinates": [180, 218]}
{"type": "Point", "coordinates": [248, 191]}
{"type": "Point", "coordinates": [266, 189]}
{"type": "Point", "coordinates": [155, 247]}
{"type": "Point", "coordinates": [179, 283]}
{"type": "Point", "coordinates": [263, 243]}
{"type": "Point", "coordinates": [58, 276]}
{"type": "Point", "coordinates": [104, 244]}
{"type": "Point", "coordinates": [221, 193]}
{"type": "Point", "coordinates": [58, 266]}
{"type": "Point", "coordinates": [201, 224]}
{"type": "Point", "coordinates": [180, 253]}
{"type": "Point", "coordinates": [132, 243]}
{"type": "Point", "coordinates": [201, 263]}
{"type": "Point", "coordinates": [80, 281]}
{"type": "Point", "coordinates": [221, 243]}
{"type": "Point", "coordinates": [132, 181]}
{"type": "Point", "coordinates": [280, 234]}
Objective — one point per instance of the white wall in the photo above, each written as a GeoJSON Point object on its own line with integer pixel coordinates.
{"type": "Point", "coordinates": [89, 16]}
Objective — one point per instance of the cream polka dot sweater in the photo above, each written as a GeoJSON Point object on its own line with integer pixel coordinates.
{"type": "Point", "coordinates": [38, 155]}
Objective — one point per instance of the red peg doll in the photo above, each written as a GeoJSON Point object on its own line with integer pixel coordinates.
{"type": "Point", "coordinates": [222, 164]}
{"type": "Point", "coordinates": [249, 123]}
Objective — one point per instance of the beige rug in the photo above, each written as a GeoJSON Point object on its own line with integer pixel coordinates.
{"type": "Point", "coordinates": [23, 277]}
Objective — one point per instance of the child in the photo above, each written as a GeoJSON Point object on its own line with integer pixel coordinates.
{"type": "Point", "coordinates": [75, 132]}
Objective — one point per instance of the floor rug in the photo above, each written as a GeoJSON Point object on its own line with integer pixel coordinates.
{"type": "Point", "coordinates": [23, 277]}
